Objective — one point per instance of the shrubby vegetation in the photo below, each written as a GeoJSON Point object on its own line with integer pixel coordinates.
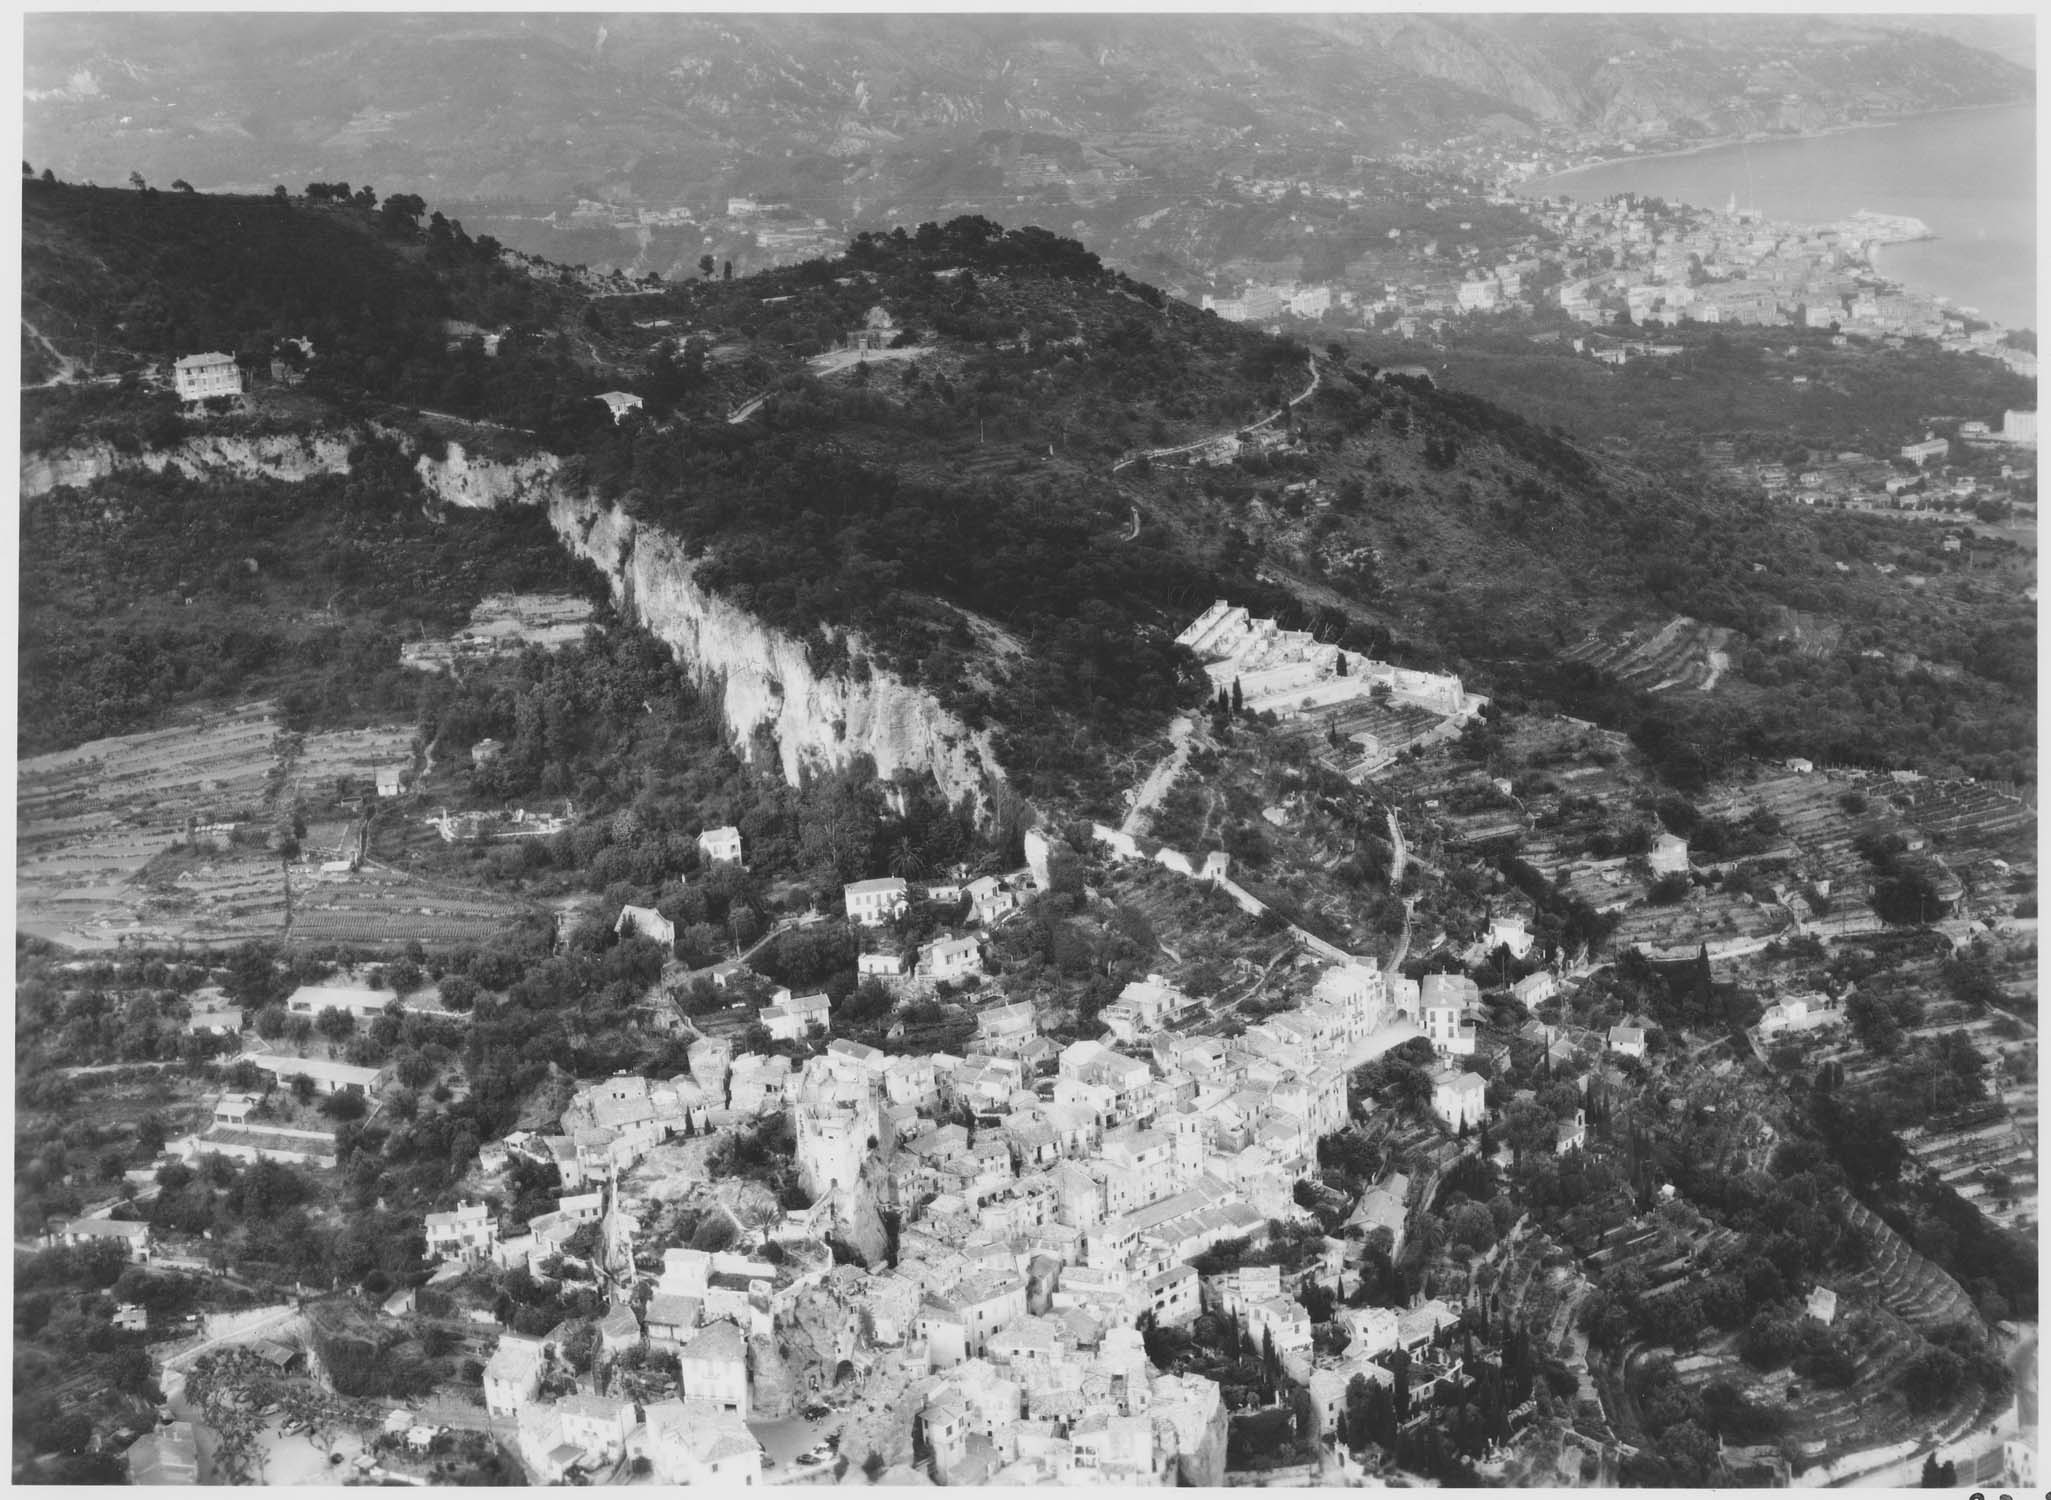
{"type": "Point", "coordinates": [166, 591]}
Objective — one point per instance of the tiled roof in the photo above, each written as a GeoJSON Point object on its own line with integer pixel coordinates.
{"type": "Point", "coordinates": [720, 1341]}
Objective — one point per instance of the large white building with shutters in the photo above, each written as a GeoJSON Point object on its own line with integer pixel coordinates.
{"type": "Point", "coordinates": [199, 376]}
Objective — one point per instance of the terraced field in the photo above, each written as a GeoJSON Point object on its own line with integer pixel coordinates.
{"type": "Point", "coordinates": [1388, 728]}
{"type": "Point", "coordinates": [1815, 820]}
{"type": "Point", "coordinates": [1975, 1152]}
{"type": "Point", "coordinates": [1681, 655]}
{"type": "Point", "coordinates": [1887, 1306]}
{"type": "Point", "coordinates": [1966, 815]}
{"type": "Point", "coordinates": [317, 764]}
{"type": "Point", "coordinates": [99, 830]}
{"type": "Point", "coordinates": [1723, 922]}
{"type": "Point", "coordinates": [90, 819]}
{"type": "Point", "coordinates": [1923, 1295]}
{"type": "Point", "coordinates": [380, 908]}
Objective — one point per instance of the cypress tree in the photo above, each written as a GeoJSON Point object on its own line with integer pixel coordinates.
{"type": "Point", "coordinates": [1238, 698]}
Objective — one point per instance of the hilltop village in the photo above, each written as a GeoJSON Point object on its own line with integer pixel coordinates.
{"type": "Point", "coordinates": [1320, 1214]}
{"type": "Point", "coordinates": [768, 919]}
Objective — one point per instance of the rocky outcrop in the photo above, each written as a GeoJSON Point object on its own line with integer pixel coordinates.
{"type": "Point", "coordinates": [856, 1218]}
{"type": "Point", "coordinates": [484, 484]}
{"type": "Point", "coordinates": [816, 1335]}
{"type": "Point", "coordinates": [291, 456]}
{"type": "Point", "coordinates": [880, 1419]}
{"type": "Point", "coordinates": [764, 676]}
{"type": "Point", "coordinates": [772, 1384]}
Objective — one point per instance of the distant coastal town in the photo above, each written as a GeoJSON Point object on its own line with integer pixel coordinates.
{"type": "Point", "coordinates": [1649, 261]}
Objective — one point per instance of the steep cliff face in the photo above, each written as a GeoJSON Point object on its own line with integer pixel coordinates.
{"type": "Point", "coordinates": [764, 676]}
{"type": "Point", "coordinates": [879, 1420]}
{"type": "Point", "coordinates": [484, 484]}
{"type": "Point", "coordinates": [289, 456]}
{"type": "Point", "coordinates": [773, 1386]}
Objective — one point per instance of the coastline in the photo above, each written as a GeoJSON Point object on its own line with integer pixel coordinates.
{"type": "Point", "coordinates": [1925, 277]}
{"type": "Point", "coordinates": [1756, 138]}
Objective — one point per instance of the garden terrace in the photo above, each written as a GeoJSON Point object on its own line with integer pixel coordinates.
{"type": "Point", "coordinates": [1683, 653]}
{"type": "Point", "coordinates": [1639, 1244]}
{"type": "Point", "coordinates": [1969, 813]}
{"type": "Point", "coordinates": [1394, 727]}
{"type": "Point", "coordinates": [327, 766]}
{"type": "Point", "coordinates": [1604, 885]}
{"type": "Point", "coordinates": [1920, 1293]}
{"type": "Point", "coordinates": [96, 825]}
{"type": "Point", "coordinates": [1963, 1148]}
{"type": "Point", "coordinates": [382, 909]}
{"type": "Point", "coordinates": [1823, 1422]}
{"type": "Point", "coordinates": [1718, 919]}
{"type": "Point", "coordinates": [1988, 878]}
{"type": "Point", "coordinates": [1815, 815]}
{"type": "Point", "coordinates": [1541, 1291]}
{"type": "Point", "coordinates": [1942, 1020]}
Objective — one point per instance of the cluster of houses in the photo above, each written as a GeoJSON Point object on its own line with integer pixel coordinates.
{"type": "Point", "coordinates": [1649, 262]}
{"type": "Point", "coordinates": [1049, 1201]}
{"type": "Point", "coordinates": [874, 904]}
{"type": "Point", "coordinates": [1921, 481]}
{"type": "Point", "coordinates": [697, 1437]}
{"type": "Point", "coordinates": [1633, 259]}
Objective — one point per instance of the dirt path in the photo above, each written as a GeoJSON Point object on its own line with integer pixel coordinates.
{"type": "Point", "coordinates": [835, 360]}
{"type": "Point", "coordinates": [67, 367]}
{"type": "Point", "coordinates": [1719, 661]}
{"type": "Point", "coordinates": [1162, 776]}
{"type": "Point", "coordinates": [1402, 948]}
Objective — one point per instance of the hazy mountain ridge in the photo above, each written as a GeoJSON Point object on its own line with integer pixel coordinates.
{"type": "Point", "coordinates": [839, 109]}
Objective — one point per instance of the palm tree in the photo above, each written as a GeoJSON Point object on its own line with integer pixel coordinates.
{"type": "Point", "coordinates": [906, 862]}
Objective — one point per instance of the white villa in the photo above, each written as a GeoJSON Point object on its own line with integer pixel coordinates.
{"type": "Point", "coordinates": [200, 376]}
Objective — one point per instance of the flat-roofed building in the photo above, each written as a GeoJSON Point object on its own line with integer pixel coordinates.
{"type": "Point", "coordinates": [328, 1077]}
{"type": "Point", "coordinates": [360, 1001]}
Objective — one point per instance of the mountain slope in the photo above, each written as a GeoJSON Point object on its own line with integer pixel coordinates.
{"type": "Point", "coordinates": [958, 510]}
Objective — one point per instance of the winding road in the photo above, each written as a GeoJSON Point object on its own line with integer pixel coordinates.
{"type": "Point", "coordinates": [1297, 400]}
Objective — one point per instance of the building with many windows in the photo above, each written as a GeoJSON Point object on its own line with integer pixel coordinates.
{"type": "Point", "coordinates": [199, 377]}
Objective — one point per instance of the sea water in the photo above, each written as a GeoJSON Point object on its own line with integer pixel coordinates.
{"type": "Point", "coordinates": [1971, 175]}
